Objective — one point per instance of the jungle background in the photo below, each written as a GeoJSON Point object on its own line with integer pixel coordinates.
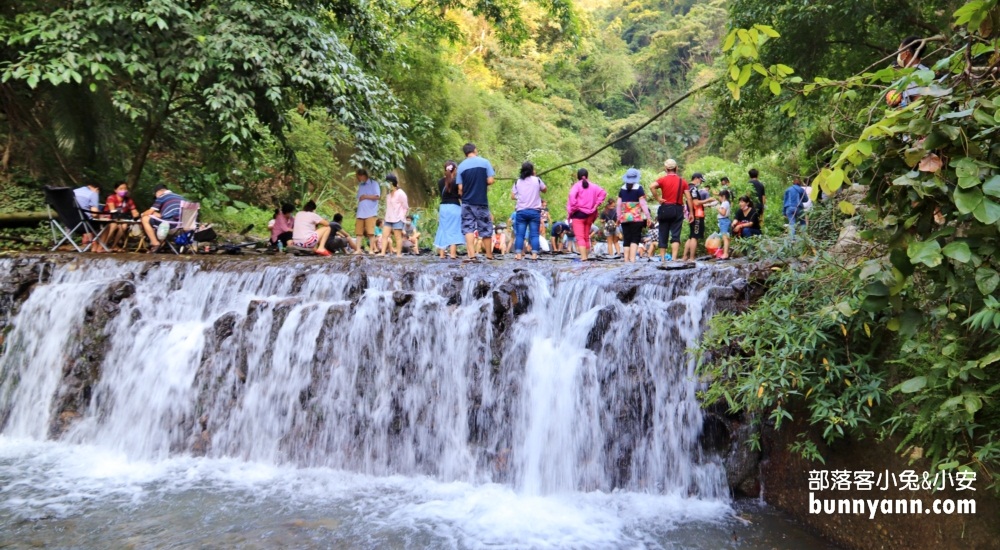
{"type": "Point", "coordinates": [244, 104]}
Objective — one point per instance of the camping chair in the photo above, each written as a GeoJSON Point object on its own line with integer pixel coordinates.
{"type": "Point", "coordinates": [181, 234]}
{"type": "Point", "coordinates": [71, 220]}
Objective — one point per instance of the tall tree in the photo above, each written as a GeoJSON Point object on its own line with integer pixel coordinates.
{"type": "Point", "coordinates": [231, 65]}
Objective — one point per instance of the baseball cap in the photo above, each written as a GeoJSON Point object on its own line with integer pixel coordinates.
{"type": "Point", "coordinates": [697, 176]}
{"type": "Point", "coordinates": [159, 187]}
{"type": "Point", "coordinates": [670, 164]}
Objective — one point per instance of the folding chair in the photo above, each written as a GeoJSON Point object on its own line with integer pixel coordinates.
{"type": "Point", "coordinates": [181, 234]}
{"type": "Point", "coordinates": [71, 220]}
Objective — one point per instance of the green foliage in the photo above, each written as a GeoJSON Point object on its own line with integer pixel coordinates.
{"type": "Point", "coordinates": [805, 344]}
{"type": "Point", "coordinates": [232, 65]}
{"type": "Point", "coordinates": [231, 222]}
{"type": "Point", "coordinates": [919, 303]}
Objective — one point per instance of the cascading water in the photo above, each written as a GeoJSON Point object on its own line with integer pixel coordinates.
{"type": "Point", "coordinates": [549, 383]}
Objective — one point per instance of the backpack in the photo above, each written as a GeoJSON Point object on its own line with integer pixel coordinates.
{"type": "Point", "coordinates": [610, 226]}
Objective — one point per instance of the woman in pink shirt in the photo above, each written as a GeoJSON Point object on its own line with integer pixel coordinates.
{"type": "Point", "coordinates": [584, 200]}
{"type": "Point", "coordinates": [282, 224]}
{"type": "Point", "coordinates": [396, 207]}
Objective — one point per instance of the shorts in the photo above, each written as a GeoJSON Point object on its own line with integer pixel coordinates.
{"type": "Point", "coordinates": [671, 218]}
{"type": "Point", "coordinates": [697, 229]}
{"type": "Point", "coordinates": [155, 222]}
{"type": "Point", "coordinates": [476, 219]}
{"type": "Point", "coordinates": [310, 242]}
{"type": "Point", "coordinates": [632, 232]}
{"type": "Point", "coordinates": [393, 225]}
{"type": "Point", "coordinates": [364, 226]}
{"type": "Point", "coordinates": [724, 225]}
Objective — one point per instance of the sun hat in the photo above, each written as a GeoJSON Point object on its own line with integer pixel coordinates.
{"type": "Point", "coordinates": [631, 176]}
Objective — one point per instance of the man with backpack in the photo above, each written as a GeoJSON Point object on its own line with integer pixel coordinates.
{"type": "Point", "coordinates": [700, 197]}
{"type": "Point", "coordinates": [672, 192]}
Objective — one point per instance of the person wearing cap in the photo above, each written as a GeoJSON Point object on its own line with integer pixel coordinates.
{"type": "Point", "coordinates": [699, 199]}
{"type": "Point", "coordinates": [368, 196]}
{"type": "Point", "coordinates": [449, 231]}
{"type": "Point", "coordinates": [672, 192]}
{"type": "Point", "coordinates": [166, 208]}
{"type": "Point", "coordinates": [633, 213]}
{"type": "Point", "coordinates": [396, 207]}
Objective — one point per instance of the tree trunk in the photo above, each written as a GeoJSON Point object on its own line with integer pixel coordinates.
{"type": "Point", "coordinates": [139, 160]}
{"type": "Point", "coordinates": [5, 161]}
{"type": "Point", "coordinates": [22, 219]}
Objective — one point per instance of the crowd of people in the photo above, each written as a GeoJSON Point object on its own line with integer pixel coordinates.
{"type": "Point", "coordinates": [625, 221]}
{"type": "Point", "coordinates": [122, 217]}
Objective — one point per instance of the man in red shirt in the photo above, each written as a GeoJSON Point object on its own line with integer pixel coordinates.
{"type": "Point", "coordinates": [672, 192]}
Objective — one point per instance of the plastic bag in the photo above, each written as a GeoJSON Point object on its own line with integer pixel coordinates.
{"type": "Point", "coordinates": [162, 231]}
{"type": "Point", "coordinates": [543, 244]}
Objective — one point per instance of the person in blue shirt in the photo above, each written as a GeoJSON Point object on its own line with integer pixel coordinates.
{"type": "Point", "coordinates": [166, 208]}
{"type": "Point", "coordinates": [793, 205]}
{"type": "Point", "coordinates": [475, 175]}
{"type": "Point", "coordinates": [88, 199]}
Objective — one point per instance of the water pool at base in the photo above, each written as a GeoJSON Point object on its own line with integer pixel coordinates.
{"type": "Point", "coordinates": [54, 495]}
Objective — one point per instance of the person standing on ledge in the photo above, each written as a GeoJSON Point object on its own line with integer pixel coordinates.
{"type": "Point", "coordinates": [396, 207]}
{"type": "Point", "coordinates": [527, 210]}
{"type": "Point", "coordinates": [368, 197]}
{"type": "Point", "coordinates": [699, 198]}
{"type": "Point", "coordinates": [671, 191]}
{"type": "Point", "coordinates": [794, 204]}
{"type": "Point", "coordinates": [449, 232]}
{"type": "Point", "coordinates": [584, 200]}
{"type": "Point", "coordinates": [475, 175]}
{"type": "Point", "coordinates": [632, 212]}
{"type": "Point", "coordinates": [758, 189]}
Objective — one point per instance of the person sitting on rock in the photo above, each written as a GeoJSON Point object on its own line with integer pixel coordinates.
{"type": "Point", "coordinates": [282, 224]}
{"type": "Point", "coordinates": [340, 240]}
{"type": "Point", "coordinates": [310, 230]}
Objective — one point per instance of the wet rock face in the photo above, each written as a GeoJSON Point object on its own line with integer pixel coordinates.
{"type": "Point", "coordinates": [507, 289]}
{"type": "Point", "coordinates": [16, 285]}
{"type": "Point", "coordinates": [742, 461]}
{"type": "Point", "coordinates": [83, 368]}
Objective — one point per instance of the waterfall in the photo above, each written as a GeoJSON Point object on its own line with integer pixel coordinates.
{"type": "Point", "coordinates": [557, 380]}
